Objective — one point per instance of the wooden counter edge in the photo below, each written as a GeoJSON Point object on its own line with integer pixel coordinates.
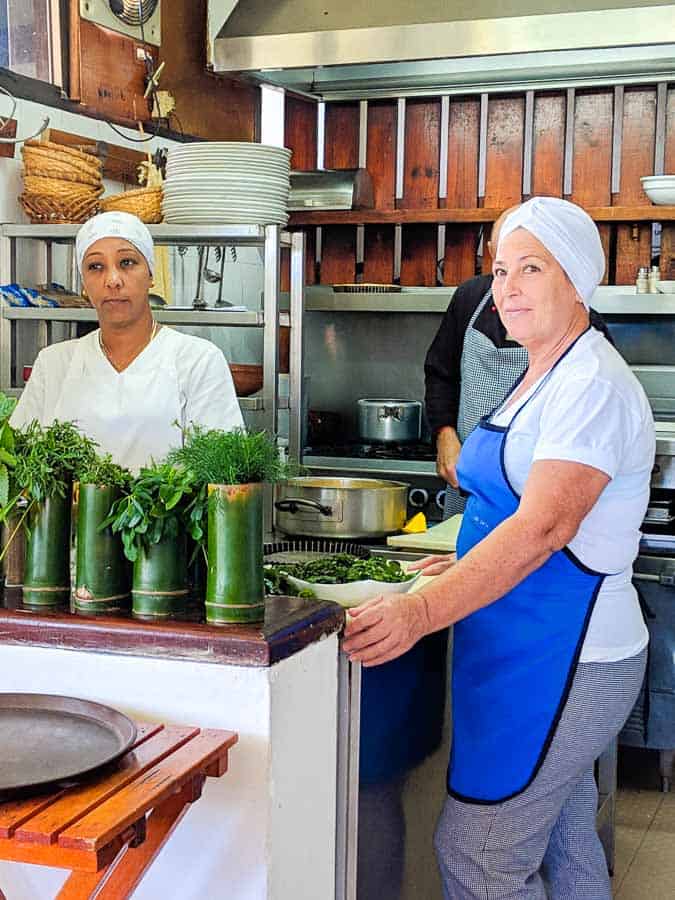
{"type": "Point", "coordinates": [293, 626]}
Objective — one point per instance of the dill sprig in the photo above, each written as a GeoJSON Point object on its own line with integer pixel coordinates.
{"type": "Point", "coordinates": [230, 457]}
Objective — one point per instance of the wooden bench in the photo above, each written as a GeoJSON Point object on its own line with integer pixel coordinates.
{"type": "Point", "coordinates": [100, 829]}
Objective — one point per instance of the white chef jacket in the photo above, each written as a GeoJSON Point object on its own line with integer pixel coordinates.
{"type": "Point", "coordinates": [135, 415]}
{"type": "Point", "coordinates": [593, 410]}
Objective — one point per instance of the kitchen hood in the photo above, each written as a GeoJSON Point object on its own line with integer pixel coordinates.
{"type": "Point", "coordinates": [339, 48]}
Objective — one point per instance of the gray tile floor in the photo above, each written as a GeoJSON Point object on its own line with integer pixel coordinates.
{"type": "Point", "coordinates": [645, 831]}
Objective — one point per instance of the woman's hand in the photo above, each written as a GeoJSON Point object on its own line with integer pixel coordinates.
{"type": "Point", "coordinates": [433, 565]}
{"type": "Point", "coordinates": [447, 452]}
{"type": "Point", "coordinates": [384, 628]}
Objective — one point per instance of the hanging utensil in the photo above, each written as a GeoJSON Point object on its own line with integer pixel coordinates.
{"type": "Point", "coordinates": [199, 302]}
{"type": "Point", "coordinates": [220, 303]}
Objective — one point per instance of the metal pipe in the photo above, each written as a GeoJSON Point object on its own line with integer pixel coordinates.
{"type": "Point", "coordinates": [568, 163]}
{"type": "Point", "coordinates": [295, 377]}
{"type": "Point", "coordinates": [617, 138]}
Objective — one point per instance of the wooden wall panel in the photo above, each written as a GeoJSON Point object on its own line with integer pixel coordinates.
{"type": "Point", "coordinates": [378, 264]}
{"type": "Point", "coordinates": [422, 149]}
{"type": "Point", "coordinates": [463, 137]}
{"type": "Point", "coordinates": [548, 144]}
{"type": "Point", "coordinates": [668, 231]}
{"type": "Point", "coordinates": [300, 132]}
{"type": "Point", "coordinates": [633, 242]}
{"type": "Point", "coordinates": [504, 163]}
{"type": "Point", "coordinates": [338, 255]}
{"type": "Point", "coordinates": [420, 189]}
{"type": "Point", "coordinates": [381, 152]}
{"type": "Point", "coordinates": [342, 136]}
{"type": "Point", "coordinates": [418, 257]}
{"type": "Point", "coordinates": [592, 166]}
{"type": "Point", "coordinates": [381, 163]}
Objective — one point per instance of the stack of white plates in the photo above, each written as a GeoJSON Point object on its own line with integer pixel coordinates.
{"type": "Point", "coordinates": [231, 183]}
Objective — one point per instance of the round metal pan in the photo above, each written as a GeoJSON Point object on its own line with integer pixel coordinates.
{"type": "Point", "coordinates": [47, 739]}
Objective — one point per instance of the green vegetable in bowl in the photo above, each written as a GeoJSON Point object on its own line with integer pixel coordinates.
{"type": "Point", "coordinates": [345, 568]}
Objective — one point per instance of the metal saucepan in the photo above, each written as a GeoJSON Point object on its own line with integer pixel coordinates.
{"type": "Point", "coordinates": [341, 507]}
{"type": "Point", "coordinates": [382, 420]}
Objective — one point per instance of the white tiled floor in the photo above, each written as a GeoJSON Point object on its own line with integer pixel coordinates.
{"type": "Point", "coordinates": [645, 833]}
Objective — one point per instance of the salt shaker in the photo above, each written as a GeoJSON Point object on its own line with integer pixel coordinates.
{"type": "Point", "coordinates": [642, 280]}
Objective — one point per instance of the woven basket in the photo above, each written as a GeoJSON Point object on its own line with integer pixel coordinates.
{"type": "Point", "coordinates": [146, 203]}
{"type": "Point", "coordinates": [55, 210]}
{"type": "Point", "coordinates": [41, 184]}
{"type": "Point", "coordinates": [63, 150]}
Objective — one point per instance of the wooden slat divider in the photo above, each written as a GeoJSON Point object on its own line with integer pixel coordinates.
{"type": "Point", "coordinates": [338, 251]}
{"type": "Point", "coordinates": [152, 788]}
{"type": "Point", "coordinates": [45, 827]}
{"type": "Point", "coordinates": [668, 231]}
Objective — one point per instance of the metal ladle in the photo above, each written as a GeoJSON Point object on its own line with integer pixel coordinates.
{"type": "Point", "coordinates": [199, 302]}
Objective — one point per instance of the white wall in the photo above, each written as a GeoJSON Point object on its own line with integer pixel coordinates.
{"type": "Point", "coordinates": [263, 830]}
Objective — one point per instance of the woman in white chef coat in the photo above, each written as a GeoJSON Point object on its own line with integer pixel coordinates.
{"type": "Point", "coordinates": [132, 384]}
{"type": "Point", "coordinates": [549, 643]}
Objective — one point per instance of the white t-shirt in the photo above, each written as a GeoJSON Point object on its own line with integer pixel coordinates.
{"type": "Point", "coordinates": [592, 410]}
{"type": "Point", "coordinates": [177, 378]}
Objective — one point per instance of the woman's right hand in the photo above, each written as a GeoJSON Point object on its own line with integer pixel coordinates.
{"type": "Point", "coordinates": [447, 453]}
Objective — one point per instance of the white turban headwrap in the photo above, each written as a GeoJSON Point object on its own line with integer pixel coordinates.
{"type": "Point", "coordinates": [115, 224]}
{"type": "Point", "coordinates": [570, 236]}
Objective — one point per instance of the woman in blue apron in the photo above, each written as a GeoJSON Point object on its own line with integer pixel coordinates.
{"type": "Point", "coordinates": [549, 643]}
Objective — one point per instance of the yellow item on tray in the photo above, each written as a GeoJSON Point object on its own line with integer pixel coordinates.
{"type": "Point", "coordinates": [416, 525]}
{"type": "Point", "coordinates": [440, 538]}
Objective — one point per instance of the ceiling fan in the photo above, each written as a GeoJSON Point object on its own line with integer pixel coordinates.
{"type": "Point", "coordinates": [140, 19]}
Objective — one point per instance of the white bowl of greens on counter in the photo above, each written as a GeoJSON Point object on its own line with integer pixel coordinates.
{"type": "Point", "coordinates": [342, 578]}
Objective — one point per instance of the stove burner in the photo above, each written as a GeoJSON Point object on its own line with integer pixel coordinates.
{"type": "Point", "coordinates": [417, 451]}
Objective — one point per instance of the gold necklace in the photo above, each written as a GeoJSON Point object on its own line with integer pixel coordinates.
{"type": "Point", "coordinates": [153, 332]}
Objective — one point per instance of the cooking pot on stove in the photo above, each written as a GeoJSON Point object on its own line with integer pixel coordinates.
{"type": "Point", "coordinates": [353, 508]}
{"type": "Point", "coordinates": [383, 420]}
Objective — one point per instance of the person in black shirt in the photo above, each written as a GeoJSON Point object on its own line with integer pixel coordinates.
{"type": "Point", "coordinates": [469, 368]}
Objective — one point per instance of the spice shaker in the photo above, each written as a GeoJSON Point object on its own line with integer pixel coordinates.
{"type": "Point", "coordinates": [654, 280]}
{"type": "Point", "coordinates": [642, 280]}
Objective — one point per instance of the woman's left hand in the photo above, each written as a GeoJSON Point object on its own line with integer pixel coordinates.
{"type": "Point", "coordinates": [384, 628]}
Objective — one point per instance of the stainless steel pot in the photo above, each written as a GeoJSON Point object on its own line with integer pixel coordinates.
{"type": "Point", "coordinates": [389, 420]}
{"type": "Point", "coordinates": [341, 507]}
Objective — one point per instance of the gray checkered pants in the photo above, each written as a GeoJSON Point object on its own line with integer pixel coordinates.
{"type": "Point", "coordinates": [543, 843]}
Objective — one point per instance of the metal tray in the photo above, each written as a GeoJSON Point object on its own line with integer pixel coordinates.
{"type": "Point", "coordinates": [46, 739]}
{"type": "Point", "coordinates": [305, 549]}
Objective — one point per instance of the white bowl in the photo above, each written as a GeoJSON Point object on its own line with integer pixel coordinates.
{"type": "Point", "coordinates": [354, 593]}
{"type": "Point", "coordinates": [660, 189]}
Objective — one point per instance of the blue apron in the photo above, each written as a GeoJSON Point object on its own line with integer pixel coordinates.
{"type": "Point", "coordinates": [515, 659]}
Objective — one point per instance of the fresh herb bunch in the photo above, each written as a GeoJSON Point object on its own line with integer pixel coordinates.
{"type": "Point", "coordinates": [343, 568]}
{"type": "Point", "coordinates": [47, 459]}
{"type": "Point", "coordinates": [159, 504]}
{"type": "Point", "coordinates": [7, 457]}
{"type": "Point", "coordinates": [230, 457]}
{"type": "Point", "coordinates": [101, 470]}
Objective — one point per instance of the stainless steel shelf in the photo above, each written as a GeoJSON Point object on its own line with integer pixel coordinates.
{"type": "Point", "coordinates": [370, 466]}
{"type": "Point", "coordinates": [250, 404]}
{"type": "Point", "coordinates": [204, 317]}
{"type": "Point", "coordinates": [253, 235]}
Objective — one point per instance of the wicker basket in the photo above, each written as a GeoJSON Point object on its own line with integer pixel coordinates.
{"type": "Point", "coordinates": [42, 184]}
{"type": "Point", "coordinates": [146, 203]}
{"type": "Point", "coordinates": [63, 150]}
{"type": "Point", "coordinates": [43, 160]}
{"type": "Point", "coordinates": [59, 210]}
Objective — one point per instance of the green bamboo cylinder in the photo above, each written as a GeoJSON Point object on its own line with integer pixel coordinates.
{"type": "Point", "coordinates": [160, 588]}
{"type": "Point", "coordinates": [47, 573]}
{"type": "Point", "coordinates": [103, 573]}
{"type": "Point", "coordinates": [235, 590]}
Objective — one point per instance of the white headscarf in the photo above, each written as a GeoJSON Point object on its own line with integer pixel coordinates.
{"type": "Point", "coordinates": [115, 224]}
{"type": "Point", "coordinates": [570, 236]}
